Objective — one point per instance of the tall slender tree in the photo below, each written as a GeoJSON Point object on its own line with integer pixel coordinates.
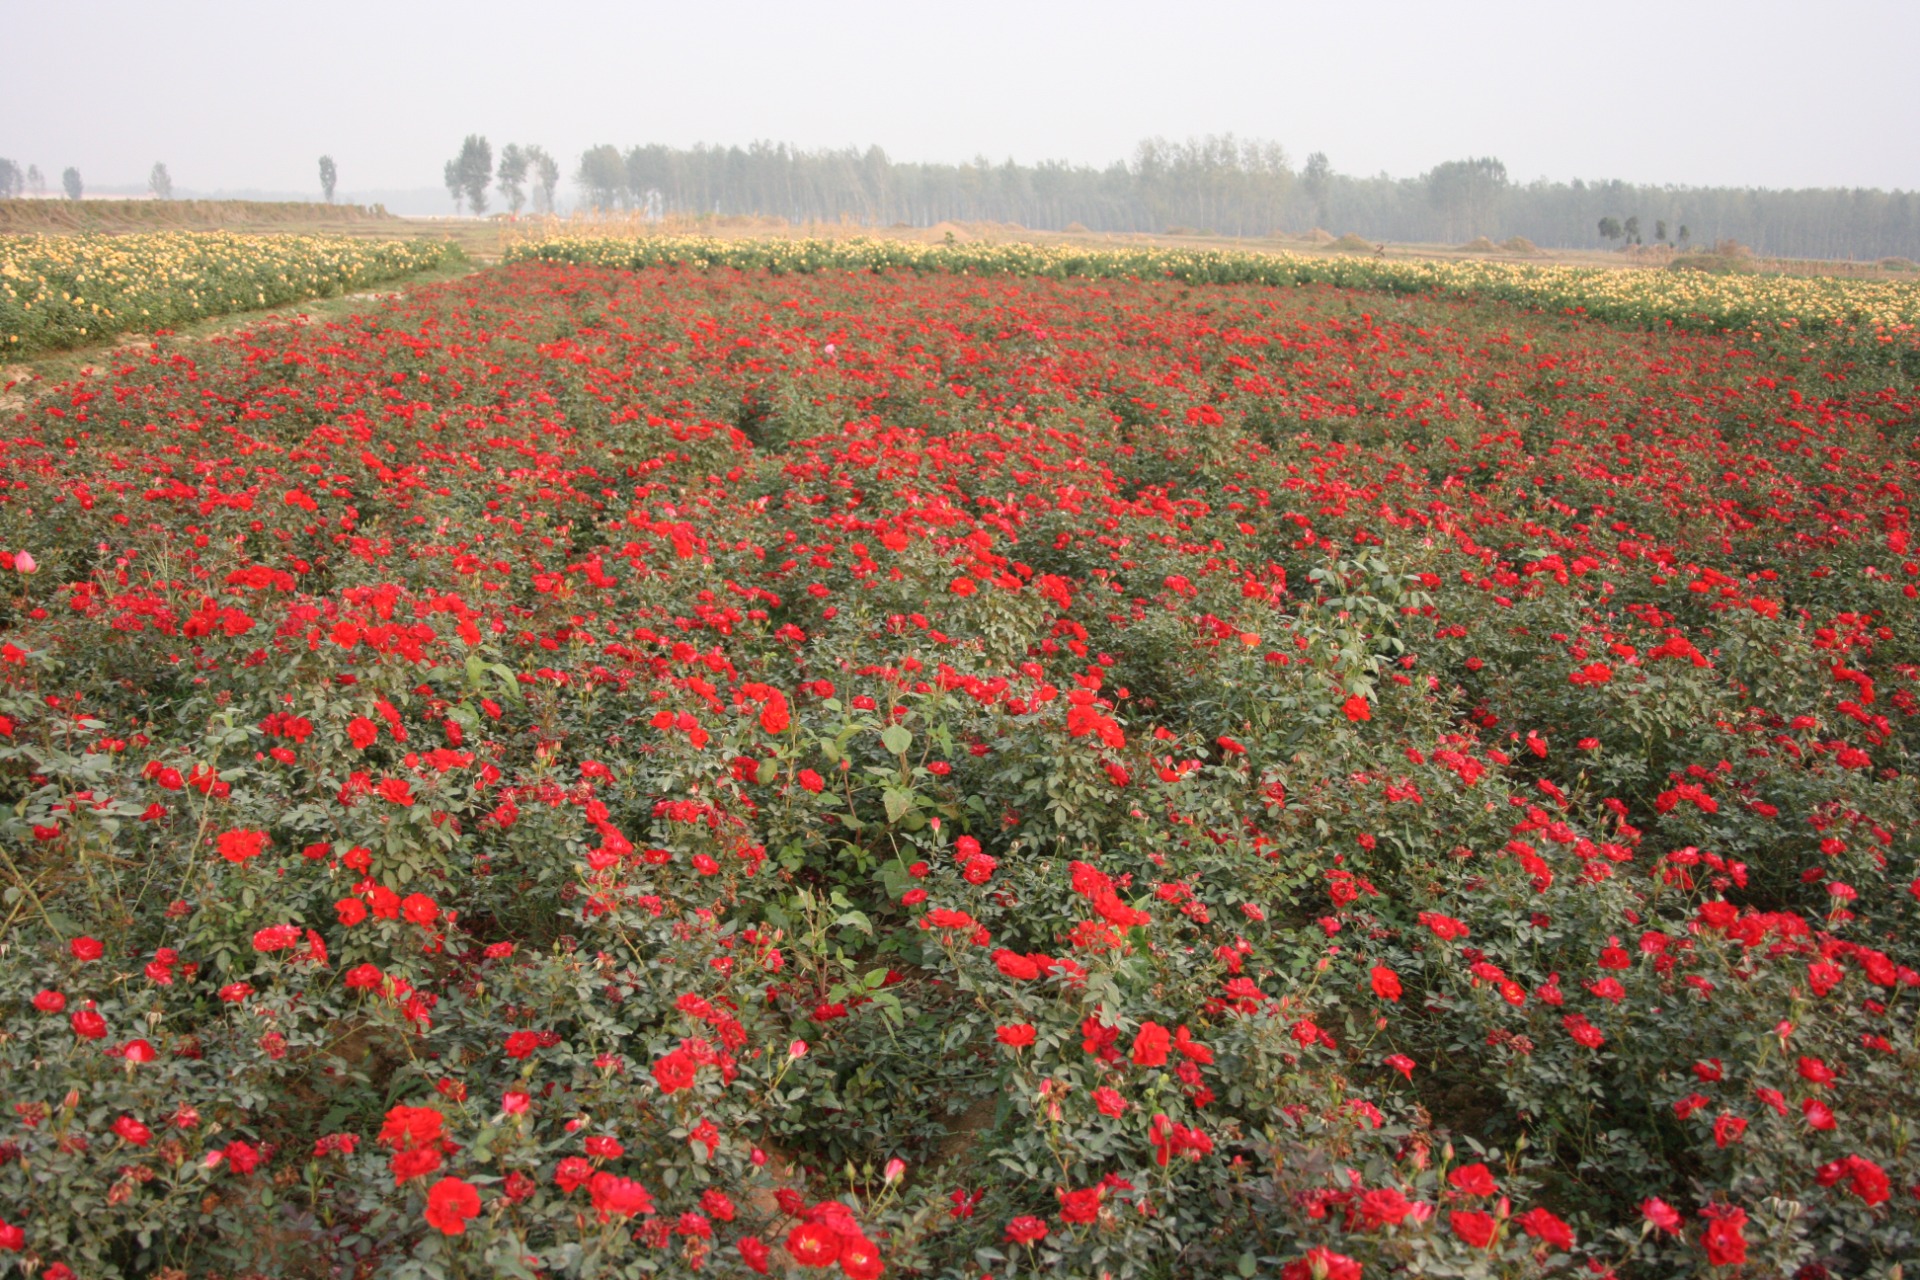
{"type": "Point", "coordinates": [546, 176]}
{"type": "Point", "coordinates": [12, 180]}
{"type": "Point", "coordinates": [473, 168]}
{"type": "Point", "coordinates": [1316, 179]}
{"type": "Point", "coordinates": [328, 176]}
{"type": "Point", "coordinates": [71, 184]}
{"type": "Point", "coordinates": [511, 176]}
{"type": "Point", "coordinates": [160, 182]}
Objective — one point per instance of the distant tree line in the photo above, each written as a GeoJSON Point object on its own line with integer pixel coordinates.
{"type": "Point", "coordinates": [16, 182]}
{"type": "Point", "coordinates": [1235, 187]}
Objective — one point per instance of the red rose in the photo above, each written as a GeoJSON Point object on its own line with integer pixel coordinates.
{"type": "Point", "coordinates": [859, 1259]}
{"type": "Point", "coordinates": [676, 1071]}
{"type": "Point", "coordinates": [1014, 965]}
{"type": "Point", "coordinates": [277, 937]}
{"type": "Point", "coordinates": [814, 1244]}
{"type": "Point", "coordinates": [1150, 1045]}
{"type": "Point", "coordinates": [450, 1203]}
{"type": "Point", "coordinates": [1723, 1240]}
{"type": "Point", "coordinates": [616, 1197]}
{"type": "Point", "coordinates": [1080, 1206]}
{"type": "Point", "coordinates": [755, 1253]}
{"type": "Point", "coordinates": [406, 1127]}
{"type": "Point", "coordinates": [1473, 1180]}
{"type": "Point", "coordinates": [363, 977]}
{"type": "Point", "coordinates": [238, 847]}
{"type": "Point", "coordinates": [572, 1174]}
{"type": "Point", "coordinates": [241, 1157]}
{"type": "Point", "coordinates": [417, 1162]}
{"type": "Point", "coordinates": [1473, 1226]}
{"type": "Point", "coordinates": [1542, 1224]}
{"type": "Point", "coordinates": [1321, 1264]}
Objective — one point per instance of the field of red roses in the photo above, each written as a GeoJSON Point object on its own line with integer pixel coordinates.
{"type": "Point", "coordinates": [580, 772]}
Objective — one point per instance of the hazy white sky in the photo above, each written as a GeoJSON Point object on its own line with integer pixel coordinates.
{"type": "Point", "coordinates": [247, 95]}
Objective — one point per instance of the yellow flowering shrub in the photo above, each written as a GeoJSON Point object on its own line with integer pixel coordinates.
{"type": "Point", "coordinates": [62, 291]}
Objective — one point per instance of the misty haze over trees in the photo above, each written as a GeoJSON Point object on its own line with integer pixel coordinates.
{"type": "Point", "coordinates": [1228, 186]}
{"type": "Point", "coordinates": [1217, 184]}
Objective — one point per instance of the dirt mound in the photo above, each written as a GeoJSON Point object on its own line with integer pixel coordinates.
{"type": "Point", "coordinates": [180, 215]}
{"type": "Point", "coordinates": [1318, 236]}
{"type": "Point", "coordinates": [1899, 264]}
{"type": "Point", "coordinates": [1351, 243]}
{"type": "Point", "coordinates": [1713, 264]}
{"type": "Point", "coordinates": [1479, 244]}
{"type": "Point", "coordinates": [1519, 244]}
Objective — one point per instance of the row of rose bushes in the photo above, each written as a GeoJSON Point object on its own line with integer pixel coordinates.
{"type": "Point", "coordinates": [1882, 317]}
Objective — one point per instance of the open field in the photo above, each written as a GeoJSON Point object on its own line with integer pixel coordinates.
{"type": "Point", "coordinates": [869, 757]}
